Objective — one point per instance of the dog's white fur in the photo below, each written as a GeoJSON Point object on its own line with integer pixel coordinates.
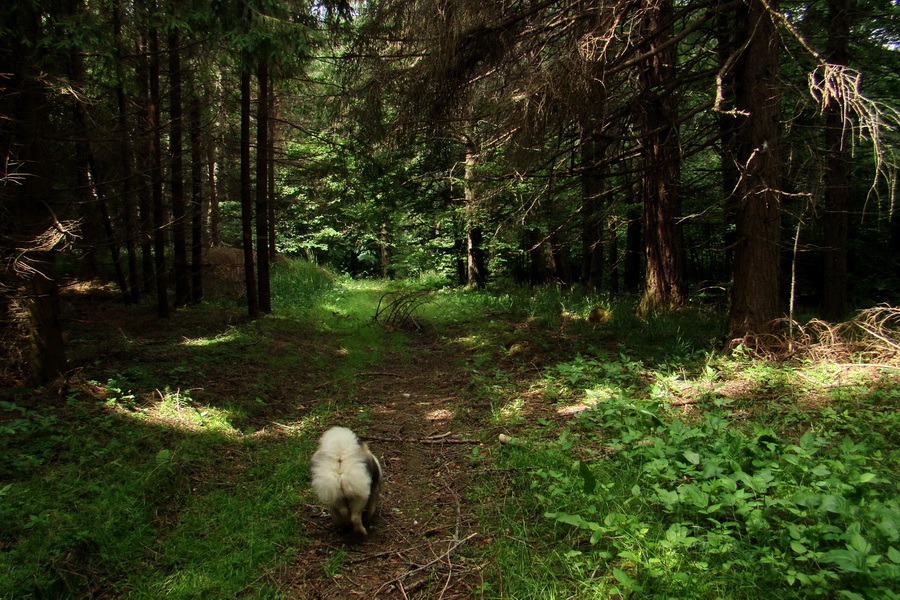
{"type": "Point", "coordinates": [346, 477]}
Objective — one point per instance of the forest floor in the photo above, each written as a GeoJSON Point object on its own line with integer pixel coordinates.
{"type": "Point", "coordinates": [423, 430]}
{"type": "Point", "coordinates": [174, 461]}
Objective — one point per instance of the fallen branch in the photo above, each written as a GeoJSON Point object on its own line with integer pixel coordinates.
{"type": "Point", "coordinates": [375, 374]}
{"type": "Point", "coordinates": [449, 551]}
{"type": "Point", "coordinates": [418, 441]}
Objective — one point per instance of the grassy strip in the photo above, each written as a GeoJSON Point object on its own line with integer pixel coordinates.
{"type": "Point", "coordinates": [161, 475]}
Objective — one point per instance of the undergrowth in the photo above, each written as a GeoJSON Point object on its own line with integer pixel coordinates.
{"type": "Point", "coordinates": [634, 498]}
{"type": "Point", "coordinates": [174, 464]}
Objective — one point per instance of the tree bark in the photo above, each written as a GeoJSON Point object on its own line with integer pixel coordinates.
{"type": "Point", "coordinates": [247, 199]}
{"type": "Point", "coordinates": [262, 185]}
{"type": "Point", "coordinates": [476, 276]}
{"type": "Point", "coordinates": [663, 248]}
{"type": "Point", "coordinates": [270, 156]}
{"type": "Point", "coordinates": [127, 162]}
{"type": "Point", "coordinates": [146, 184]}
{"type": "Point", "coordinates": [197, 162]}
{"type": "Point", "coordinates": [837, 174]}
{"type": "Point", "coordinates": [211, 216]}
{"type": "Point", "coordinates": [592, 215]}
{"type": "Point", "coordinates": [631, 278]}
{"type": "Point", "coordinates": [29, 224]}
{"type": "Point", "coordinates": [156, 181]}
{"type": "Point", "coordinates": [384, 257]}
{"type": "Point", "coordinates": [176, 171]}
{"type": "Point", "coordinates": [754, 294]}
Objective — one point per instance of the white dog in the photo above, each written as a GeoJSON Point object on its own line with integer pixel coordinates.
{"type": "Point", "coordinates": [346, 477]}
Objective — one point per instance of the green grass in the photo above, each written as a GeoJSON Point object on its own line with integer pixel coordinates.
{"type": "Point", "coordinates": [166, 502]}
{"type": "Point", "coordinates": [161, 475]}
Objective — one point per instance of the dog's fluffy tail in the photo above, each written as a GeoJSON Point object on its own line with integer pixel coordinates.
{"type": "Point", "coordinates": [346, 477]}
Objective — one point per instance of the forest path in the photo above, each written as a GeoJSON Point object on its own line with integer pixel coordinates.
{"type": "Point", "coordinates": [423, 430]}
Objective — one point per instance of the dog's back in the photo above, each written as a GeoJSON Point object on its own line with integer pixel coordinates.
{"type": "Point", "coordinates": [346, 477]}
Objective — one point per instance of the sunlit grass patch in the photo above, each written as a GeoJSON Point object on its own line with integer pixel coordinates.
{"type": "Point", "coordinates": [227, 337]}
{"type": "Point", "coordinates": [510, 411]}
{"type": "Point", "coordinates": [176, 409]}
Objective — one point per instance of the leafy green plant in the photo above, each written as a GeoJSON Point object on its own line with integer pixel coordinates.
{"type": "Point", "coordinates": [813, 516]}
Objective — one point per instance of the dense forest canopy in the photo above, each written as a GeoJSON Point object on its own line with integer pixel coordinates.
{"type": "Point", "coordinates": [675, 150]}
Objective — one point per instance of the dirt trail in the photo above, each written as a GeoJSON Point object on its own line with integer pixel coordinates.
{"type": "Point", "coordinates": [415, 546]}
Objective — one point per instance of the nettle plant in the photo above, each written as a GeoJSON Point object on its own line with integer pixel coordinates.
{"type": "Point", "coordinates": [673, 500]}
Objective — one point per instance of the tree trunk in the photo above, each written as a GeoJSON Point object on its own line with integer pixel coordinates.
{"type": "Point", "coordinates": [754, 294]}
{"type": "Point", "coordinates": [176, 171]}
{"type": "Point", "coordinates": [127, 161]}
{"type": "Point", "coordinates": [197, 161]}
{"type": "Point", "coordinates": [262, 185]}
{"type": "Point", "coordinates": [270, 156]}
{"type": "Point", "coordinates": [726, 47]}
{"type": "Point", "coordinates": [156, 175]}
{"type": "Point", "coordinates": [592, 215]}
{"type": "Point", "coordinates": [211, 217]}
{"type": "Point", "coordinates": [837, 174]}
{"type": "Point", "coordinates": [631, 278]}
{"type": "Point", "coordinates": [247, 199]}
{"type": "Point", "coordinates": [145, 176]}
{"type": "Point", "coordinates": [384, 257]}
{"type": "Point", "coordinates": [29, 222]}
{"type": "Point", "coordinates": [664, 261]}
{"type": "Point", "coordinates": [476, 276]}
{"type": "Point", "coordinates": [613, 259]}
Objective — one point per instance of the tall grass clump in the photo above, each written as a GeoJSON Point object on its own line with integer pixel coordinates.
{"type": "Point", "coordinates": [633, 500]}
{"type": "Point", "coordinates": [298, 285]}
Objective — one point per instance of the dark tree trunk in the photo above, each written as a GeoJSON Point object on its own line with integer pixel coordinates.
{"type": "Point", "coordinates": [197, 161]}
{"type": "Point", "coordinates": [176, 171]}
{"type": "Point", "coordinates": [270, 156]}
{"type": "Point", "coordinates": [631, 278]}
{"type": "Point", "coordinates": [247, 199]}
{"type": "Point", "coordinates": [156, 181]}
{"type": "Point", "coordinates": [664, 261]}
{"type": "Point", "coordinates": [837, 174]}
{"type": "Point", "coordinates": [476, 275]}
{"type": "Point", "coordinates": [592, 216]}
{"type": "Point", "coordinates": [475, 267]}
{"type": "Point", "coordinates": [754, 294]}
{"type": "Point", "coordinates": [262, 184]}
{"type": "Point", "coordinates": [145, 181]}
{"type": "Point", "coordinates": [726, 47]}
{"type": "Point", "coordinates": [29, 221]}
{"type": "Point", "coordinates": [613, 258]}
{"type": "Point", "coordinates": [211, 216]}
{"type": "Point", "coordinates": [384, 257]}
{"type": "Point", "coordinates": [127, 162]}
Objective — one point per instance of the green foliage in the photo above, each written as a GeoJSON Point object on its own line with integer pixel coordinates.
{"type": "Point", "coordinates": [682, 508]}
{"type": "Point", "coordinates": [299, 285]}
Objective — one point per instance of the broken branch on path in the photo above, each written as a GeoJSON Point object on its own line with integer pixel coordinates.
{"type": "Point", "coordinates": [376, 374]}
{"type": "Point", "coordinates": [399, 579]}
{"type": "Point", "coordinates": [432, 440]}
